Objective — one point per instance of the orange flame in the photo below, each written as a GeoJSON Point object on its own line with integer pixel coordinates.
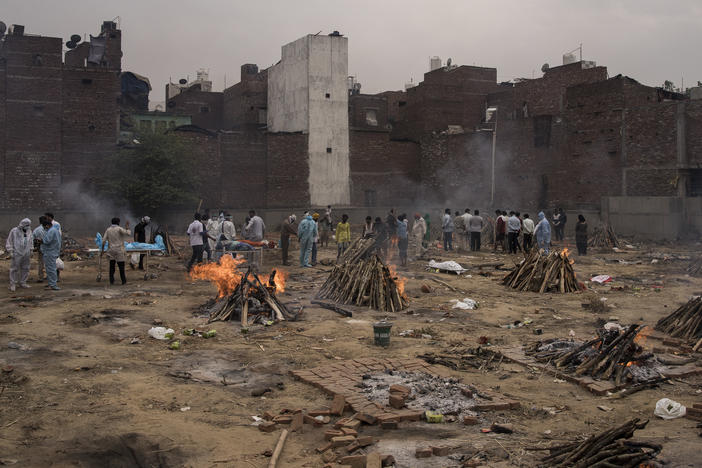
{"type": "Point", "coordinates": [224, 274]}
{"type": "Point", "coordinates": [631, 363]}
{"type": "Point", "coordinates": [640, 339]}
{"type": "Point", "coordinates": [281, 277]}
{"type": "Point", "coordinates": [399, 280]}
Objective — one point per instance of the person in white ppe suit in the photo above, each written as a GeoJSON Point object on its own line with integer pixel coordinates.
{"type": "Point", "coordinates": [20, 243]}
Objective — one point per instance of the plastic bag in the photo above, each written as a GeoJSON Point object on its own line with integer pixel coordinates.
{"type": "Point", "coordinates": [160, 333]}
{"type": "Point", "coordinates": [465, 304]}
{"type": "Point", "coordinates": [669, 409]}
{"type": "Point", "coordinates": [59, 264]}
{"type": "Point", "coordinates": [601, 279]}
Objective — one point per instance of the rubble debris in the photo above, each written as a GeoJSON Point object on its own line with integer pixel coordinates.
{"type": "Point", "coordinates": [603, 236]}
{"type": "Point", "coordinates": [614, 354]}
{"type": "Point", "coordinates": [685, 323]}
{"type": "Point", "coordinates": [366, 283]}
{"type": "Point", "coordinates": [604, 449]}
{"type": "Point", "coordinates": [543, 273]}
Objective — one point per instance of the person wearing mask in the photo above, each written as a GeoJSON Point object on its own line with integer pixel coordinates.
{"type": "Point", "coordinates": [315, 242]}
{"type": "Point", "coordinates": [447, 229]}
{"type": "Point", "coordinates": [140, 236]}
{"type": "Point", "coordinates": [195, 233]}
{"type": "Point", "coordinates": [419, 230]}
{"type": "Point", "coordinates": [228, 228]}
{"type": "Point", "coordinates": [542, 231]}
{"type": "Point", "coordinates": [528, 226]}
{"type": "Point", "coordinates": [289, 228]}
{"type": "Point", "coordinates": [343, 235]}
{"type": "Point", "coordinates": [325, 227]}
{"type": "Point", "coordinates": [367, 231]}
{"type": "Point", "coordinates": [500, 230]}
{"type": "Point", "coordinates": [213, 227]}
{"type": "Point", "coordinates": [459, 229]}
{"type": "Point", "coordinates": [19, 245]}
{"type": "Point", "coordinates": [513, 227]}
{"type": "Point", "coordinates": [476, 228]}
{"type": "Point", "coordinates": [581, 235]}
{"type": "Point", "coordinates": [50, 250]}
{"type": "Point", "coordinates": [380, 233]}
{"type": "Point", "coordinates": [306, 233]}
{"type": "Point", "coordinates": [255, 228]}
{"type": "Point", "coordinates": [50, 217]}
{"type": "Point", "coordinates": [38, 235]}
{"type": "Point", "coordinates": [115, 237]}
{"type": "Point", "coordinates": [402, 238]}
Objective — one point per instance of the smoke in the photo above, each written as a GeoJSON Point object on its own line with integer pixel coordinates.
{"type": "Point", "coordinates": [87, 212]}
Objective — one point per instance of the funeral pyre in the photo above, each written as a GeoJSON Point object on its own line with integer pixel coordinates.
{"type": "Point", "coordinates": [608, 448]}
{"type": "Point", "coordinates": [540, 272]}
{"type": "Point", "coordinates": [243, 295]}
{"type": "Point", "coordinates": [616, 353]}
{"type": "Point", "coordinates": [361, 278]}
{"type": "Point", "coordinates": [603, 236]}
{"type": "Point", "coordinates": [685, 323]}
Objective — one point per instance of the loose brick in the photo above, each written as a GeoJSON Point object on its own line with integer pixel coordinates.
{"type": "Point", "coordinates": [373, 460]}
{"type": "Point", "coordinates": [388, 425]}
{"type": "Point", "coordinates": [366, 418]}
{"type": "Point", "coordinates": [330, 433]}
{"type": "Point", "coordinates": [297, 422]}
{"type": "Point", "coordinates": [365, 441]}
{"type": "Point", "coordinates": [397, 388]}
{"type": "Point", "coordinates": [341, 441]}
{"type": "Point", "coordinates": [470, 420]}
{"type": "Point", "coordinates": [319, 412]}
{"type": "Point", "coordinates": [440, 451]}
{"type": "Point", "coordinates": [267, 426]}
{"type": "Point", "coordinates": [354, 461]}
{"type": "Point", "coordinates": [397, 400]}
{"type": "Point", "coordinates": [329, 456]}
{"type": "Point", "coordinates": [423, 452]}
{"type": "Point", "coordinates": [324, 448]}
{"type": "Point", "coordinates": [282, 419]}
{"type": "Point", "coordinates": [349, 431]}
{"type": "Point", "coordinates": [337, 406]}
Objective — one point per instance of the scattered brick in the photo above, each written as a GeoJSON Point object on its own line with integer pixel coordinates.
{"type": "Point", "coordinates": [329, 456]}
{"type": "Point", "coordinates": [397, 388]}
{"type": "Point", "coordinates": [267, 426]}
{"type": "Point", "coordinates": [388, 425]}
{"type": "Point", "coordinates": [366, 418]}
{"type": "Point", "coordinates": [319, 412]}
{"type": "Point", "coordinates": [349, 431]}
{"type": "Point", "coordinates": [365, 441]}
{"type": "Point", "coordinates": [397, 400]}
{"type": "Point", "coordinates": [307, 419]}
{"type": "Point", "coordinates": [329, 433]}
{"type": "Point", "coordinates": [268, 416]}
{"type": "Point", "coordinates": [297, 423]}
{"type": "Point", "coordinates": [354, 461]}
{"type": "Point", "coordinates": [466, 392]}
{"type": "Point", "coordinates": [337, 406]}
{"type": "Point", "coordinates": [423, 452]}
{"type": "Point", "coordinates": [440, 451]}
{"type": "Point", "coordinates": [373, 460]}
{"type": "Point", "coordinates": [470, 420]}
{"type": "Point", "coordinates": [282, 419]}
{"type": "Point", "coordinates": [341, 441]}
{"type": "Point", "coordinates": [352, 424]}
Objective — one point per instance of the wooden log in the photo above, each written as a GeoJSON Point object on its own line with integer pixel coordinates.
{"type": "Point", "coordinates": [278, 449]}
{"type": "Point", "coordinates": [334, 307]}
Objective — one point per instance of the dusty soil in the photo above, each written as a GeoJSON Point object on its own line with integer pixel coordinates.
{"type": "Point", "coordinates": [83, 392]}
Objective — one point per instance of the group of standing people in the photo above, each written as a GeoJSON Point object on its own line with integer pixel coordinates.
{"type": "Point", "coordinates": [314, 230]}
{"type": "Point", "coordinates": [466, 226]}
{"type": "Point", "coordinates": [205, 232]}
{"type": "Point", "coordinates": [22, 241]}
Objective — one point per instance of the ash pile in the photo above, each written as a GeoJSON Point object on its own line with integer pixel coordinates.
{"type": "Point", "coordinates": [244, 296]}
{"type": "Point", "coordinates": [615, 354]}
{"type": "Point", "coordinates": [420, 391]}
{"type": "Point", "coordinates": [362, 279]}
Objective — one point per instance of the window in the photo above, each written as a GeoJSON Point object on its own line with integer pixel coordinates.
{"type": "Point", "coordinates": [204, 110]}
{"type": "Point", "coordinates": [370, 197]}
{"type": "Point", "coordinates": [694, 188]}
{"type": "Point", "coordinates": [401, 103]}
{"type": "Point", "coordinates": [39, 111]}
{"type": "Point", "coordinates": [37, 60]}
{"type": "Point", "coordinates": [327, 95]}
{"type": "Point", "coordinates": [328, 150]}
{"type": "Point", "coordinates": [371, 118]}
{"type": "Point", "coordinates": [86, 81]}
{"type": "Point", "coordinates": [542, 131]}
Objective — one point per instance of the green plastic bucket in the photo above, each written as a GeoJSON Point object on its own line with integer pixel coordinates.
{"type": "Point", "coordinates": [381, 333]}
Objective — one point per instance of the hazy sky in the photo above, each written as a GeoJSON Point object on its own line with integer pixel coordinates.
{"type": "Point", "coordinates": [390, 41]}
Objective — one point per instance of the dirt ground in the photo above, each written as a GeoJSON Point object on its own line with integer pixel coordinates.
{"type": "Point", "coordinates": [82, 391]}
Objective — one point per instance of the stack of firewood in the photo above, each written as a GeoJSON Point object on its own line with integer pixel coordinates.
{"type": "Point", "coordinates": [608, 356]}
{"type": "Point", "coordinates": [538, 273]}
{"type": "Point", "coordinates": [365, 283]}
{"type": "Point", "coordinates": [251, 301]}
{"type": "Point", "coordinates": [695, 267]}
{"type": "Point", "coordinates": [357, 251]}
{"type": "Point", "coordinates": [605, 449]}
{"type": "Point", "coordinates": [603, 236]}
{"type": "Point", "coordinates": [685, 322]}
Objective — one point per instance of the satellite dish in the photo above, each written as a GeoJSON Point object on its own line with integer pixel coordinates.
{"type": "Point", "coordinates": [183, 81]}
{"type": "Point", "coordinates": [75, 38]}
{"type": "Point", "coordinates": [71, 45]}
{"type": "Point", "coordinates": [3, 28]}
{"type": "Point", "coordinates": [545, 67]}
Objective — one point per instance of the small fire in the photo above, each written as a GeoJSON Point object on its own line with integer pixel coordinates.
{"type": "Point", "coordinates": [631, 363]}
{"type": "Point", "coordinates": [564, 255]}
{"type": "Point", "coordinates": [224, 274]}
{"type": "Point", "coordinates": [399, 280]}
{"type": "Point", "coordinates": [280, 278]}
{"type": "Point", "coordinates": [642, 336]}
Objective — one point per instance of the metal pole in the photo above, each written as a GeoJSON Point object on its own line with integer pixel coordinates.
{"type": "Point", "coordinates": [494, 143]}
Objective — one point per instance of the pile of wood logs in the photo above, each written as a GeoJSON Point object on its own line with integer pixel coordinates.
{"type": "Point", "coordinates": [607, 356]}
{"type": "Point", "coordinates": [685, 323]}
{"type": "Point", "coordinates": [365, 283]}
{"type": "Point", "coordinates": [251, 302]}
{"type": "Point", "coordinates": [539, 273]}
{"type": "Point", "coordinates": [358, 250]}
{"type": "Point", "coordinates": [608, 448]}
{"type": "Point", "coordinates": [603, 236]}
{"type": "Point", "coordinates": [695, 267]}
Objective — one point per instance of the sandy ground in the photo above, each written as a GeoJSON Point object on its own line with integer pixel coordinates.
{"type": "Point", "coordinates": [81, 394]}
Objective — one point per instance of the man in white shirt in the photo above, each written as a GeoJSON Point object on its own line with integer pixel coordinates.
{"type": "Point", "coordinates": [255, 229]}
{"type": "Point", "coordinates": [528, 226]}
{"type": "Point", "coordinates": [466, 222]}
{"type": "Point", "coordinates": [195, 232]}
{"type": "Point", "coordinates": [513, 227]}
{"type": "Point", "coordinates": [447, 228]}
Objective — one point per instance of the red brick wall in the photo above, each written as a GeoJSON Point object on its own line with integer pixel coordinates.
{"type": "Point", "coordinates": [204, 108]}
{"type": "Point", "coordinates": [244, 169]}
{"type": "Point", "coordinates": [693, 129]}
{"type": "Point", "coordinates": [245, 103]}
{"type": "Point", "coordinates": [389, 168]}
{"type": "Point", "coordinates": [288, 170]}
{"type": "Point", "coordinates": [359, 104]}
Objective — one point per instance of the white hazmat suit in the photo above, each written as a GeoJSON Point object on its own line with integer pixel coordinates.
{"type": "Point", "coordinates": [20, 243]}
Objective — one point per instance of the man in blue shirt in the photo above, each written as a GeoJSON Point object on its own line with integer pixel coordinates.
{"type": "Point", "coordinates": [50, 249]}
{"type": "Point", "coordinates": [403, 241]}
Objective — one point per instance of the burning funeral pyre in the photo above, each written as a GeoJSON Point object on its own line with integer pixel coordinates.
{"type": "Point", "coordinates": [615, 354]}
{"type": "Point", "coordinates": [603, 236]}
{"type": "Point", "coordinates": [361, 278]}
{"type": "Point", "coordinates": [243, 296]}
{"type": "Point", "coordinates": [608, 448]}
{"type": "Point", "coordinates": [543, 273]}
{"type": "Point", "coordinates": [685, 323]}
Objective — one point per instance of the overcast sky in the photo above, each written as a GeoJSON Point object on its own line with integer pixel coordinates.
{"type": "Point", "coordinates": [390, 41]}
